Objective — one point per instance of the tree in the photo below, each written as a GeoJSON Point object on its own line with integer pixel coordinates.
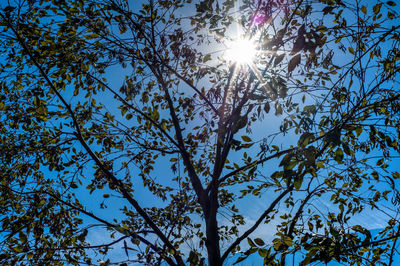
{"type": "Point", "coordinates": [126, 118]}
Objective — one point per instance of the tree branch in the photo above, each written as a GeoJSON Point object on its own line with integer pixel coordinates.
{"type": "Point", "coordinates": [131, 234]}
{"type": "Point", "coordinates": [257, 223]}
{"type": "Point", "coordinates": [196, 183]}
{"type": "Point", "coordinates": [248, 166]}
{"type": "Point", "coordinates": [78, 132]}
{"type": "Point", "coordinates": [157, 125]}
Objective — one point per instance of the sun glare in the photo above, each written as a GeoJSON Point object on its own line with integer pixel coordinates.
{"type": "Point", "coordinates": [241, 51]}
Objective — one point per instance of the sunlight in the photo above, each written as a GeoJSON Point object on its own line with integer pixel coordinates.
{"type": "Point", "coordinates": [241, 51]}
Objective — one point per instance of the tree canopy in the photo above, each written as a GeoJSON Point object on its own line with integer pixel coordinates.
{"type": "Point", "coordinates": [144, 127]}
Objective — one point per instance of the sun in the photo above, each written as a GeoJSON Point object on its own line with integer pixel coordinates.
{"type": "Point", "coordinates": [242, 51]}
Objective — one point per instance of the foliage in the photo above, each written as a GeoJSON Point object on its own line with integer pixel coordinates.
{"type": "Point", "coordinates": [123, 118]}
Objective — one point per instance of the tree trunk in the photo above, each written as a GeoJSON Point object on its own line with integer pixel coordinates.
{"type": "Point", "coordinates": [212, 241]}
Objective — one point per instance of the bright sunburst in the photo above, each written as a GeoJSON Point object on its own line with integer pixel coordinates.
{"type": "Point", "coordinates": [241, 51]}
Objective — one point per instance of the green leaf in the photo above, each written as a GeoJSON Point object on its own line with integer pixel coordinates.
{"type": "Point", "coordinates": [259, 241]}
{"type": "Point", "coordinates": [246, 138]}
{"type": "Point", "coordinates": [298, 182]}
{"type": "Point", "coordinates": [263, 252]}
{"type": "Point", "coordinates": [206, 58]}
{"type": "Point", "coordinates": [123, 110]}
{"type": "Point", "coordinates": [36, 100]}
{"type": "Point", "coordinates": [339, 155]}
{"type": "Point", "coordinates": [278, 109]}
{"type": "Point", "coordinates": [251, 243]}
{"type": "Point", "coordinates": [364, 10]}
{"type": "Point", "coordinates": [91, 36]}
{"type": "Point", "coordinates": [292, 163]}
{"type": "Point", "coordinates": [286, 159]}
{"type": "Point", "coordinates": [359, 130]}
{"type": "Point", "coordinates": [277, 243]}
{"type": "Point", "coordinates": [305, 139]}
{"type": "Point", "coordinates": [377, 8]}
{"type": "Point", "coordinates": [122, 230]}
{"type": "Point", "coordinates": [288, 241]}
{"type": "Point", "coordinates": [351, 50]}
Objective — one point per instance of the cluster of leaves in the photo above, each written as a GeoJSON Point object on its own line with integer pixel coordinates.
{"type": "Point", "coordinates": [185, 127]}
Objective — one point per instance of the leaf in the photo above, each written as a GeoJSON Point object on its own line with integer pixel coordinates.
{"type": "Point", "coordinates": [36, 100]}
{"type": "Point", "coordinates": [351, 50]}
{"type": "Point", "coordinates": [246, 138]}
{"type": "Point", "coordinates": [364, 10]}
{"type": "Point", "coordinates": [277, 244]}
{"type": "Point", "coordinates": [327, 9]}
{"type": "Point", "coordinates": [278, 109]}
{"type": "Point", "coordinates": [279, 59]}
{"type": "Point", "coordinates": [135, 241]}
{"type": "Point", "coordinates": [259, 241]}
{"type": "Point", "coordinates": [305, 139]}
{"type": "Point", "coordinates": [346, 148]}
{"type": "Point", "coordinates": [285, 159]}
{"type": "Point", "coordinates": [267, 107]}
{"type": "Point", "coordinates": [251, 243]}
{"type": "Point", "coordinates": [122, 230]}
{"type": "Point", "coordinates": [288, 241]}
{"type": "Point", "coordinates": [123, 110]}
{"type": "Point", "coordinates": [339, 155]}
{"type": "Point", "coordinates": [298, 182]}
{"type": "Point", "coordinates": [263, 252]}
{"type": "Point", "coordinates": [203, 6]}
{"type": "Point", "coordinates": [294, 62]}
{"type": "Point", "coordinates": [359, 130]}
{"type": "Point", "coordinates": [206, 58]}
{"type": "Point", "coordinates": [298, 45]}
{"type": "Point", "coordinates": [377, 8]}
{"type": "Point", "coordinates": [290, 165]}
{"type": "Point", "coordinates": [122, 29]}
{"type": "Point", "coordinates": [390, 3]}
{"type": "Point", "coordinates": [241, 123]}
{"type": "Point", "coordinates": [91, 36]}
